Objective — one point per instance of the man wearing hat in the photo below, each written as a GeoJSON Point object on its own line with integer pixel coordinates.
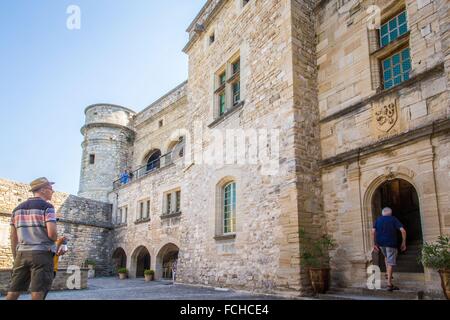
{"type": "Point", "coordinates": [33, 236]}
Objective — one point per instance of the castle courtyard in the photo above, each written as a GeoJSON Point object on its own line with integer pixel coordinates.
{"type": "Point", "coordinates": [109, 288]}
{"type": "Point", "coordinates": [297, 117]}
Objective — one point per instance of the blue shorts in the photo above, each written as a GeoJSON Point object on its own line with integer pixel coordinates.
{"type": "Point", "coordinates": [391, 255]}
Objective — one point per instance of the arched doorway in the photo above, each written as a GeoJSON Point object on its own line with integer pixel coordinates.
{"type": "Point", "coordinates": [119, 259]}
{"type": "Point", "coordinates": [141, 261]}
{"type": "Point", "coordinates": [154, 160]}
{"type": "Point", "coordinates": [402, 198]}
{"type": "Point", "coordinates": [167, 261]}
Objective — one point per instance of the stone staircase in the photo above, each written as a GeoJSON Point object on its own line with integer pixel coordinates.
{"type": "Point", "coordinates": [366, 294]}
{"type": "Point", "coordinates": [408, 261]}
{"type": "Point", "coordinates": [412, 287]}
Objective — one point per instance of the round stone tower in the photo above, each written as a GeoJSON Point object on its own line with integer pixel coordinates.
{"type": "Point", "coordinates": [108, 136]}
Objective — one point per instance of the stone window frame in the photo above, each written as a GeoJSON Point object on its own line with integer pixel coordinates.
{"type": "Point", "coordinates": [122, 215]}
{"type": "Point", "coordinates": [225, 80]}
{"type": "Point", "coordinates": [404, 73]}
{"type": "Point", "coordinates": [174, 208]}
{"type": "Point", "coordinates": [92, 158]}
{"type": "Point", "coordinates": [220, 198]}
{"type": "Point", "coordinates": [397, 28]}
{"type": "Point", "coordinates": [143, 210]}
{"type": "Point", "coordinates": [380, 53]}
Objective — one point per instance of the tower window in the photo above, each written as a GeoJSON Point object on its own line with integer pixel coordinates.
{"type": "Point", "coordinates": [161, 123]}
{"type": "Point", "coordinates": [91, 158]}
{"type": "Point", "coordinates": [228, 87]}
{"type": "Point", "coordinates": [212, 38]}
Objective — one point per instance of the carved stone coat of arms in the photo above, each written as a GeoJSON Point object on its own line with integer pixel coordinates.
{"type": "Point", "coordinates": [386, 115]}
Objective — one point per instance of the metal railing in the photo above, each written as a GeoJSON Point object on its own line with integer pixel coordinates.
{"type": "Point", "coordinates": [162, 162]}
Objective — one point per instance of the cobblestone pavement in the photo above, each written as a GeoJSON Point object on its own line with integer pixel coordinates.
{"type": "Point", "coordinates": [138, 289]}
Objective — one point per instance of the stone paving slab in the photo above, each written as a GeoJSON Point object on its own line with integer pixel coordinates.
{"type": "Point", "coordinates": [138, 289]}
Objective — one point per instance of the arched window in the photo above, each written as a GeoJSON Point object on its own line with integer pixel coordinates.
{"type": "Point", "coordinates": [175, 150]}
{"type": "Point", "coordinates": [154, 161]}
{"type": "Point", "coordinates": [229, 208]}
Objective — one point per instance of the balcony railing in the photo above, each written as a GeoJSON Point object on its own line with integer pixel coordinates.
{"type": "Point", "coordinates": [151, 167]}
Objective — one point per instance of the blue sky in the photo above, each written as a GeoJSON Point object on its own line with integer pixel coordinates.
{"type": "Point", "coordinates": [127, 52]}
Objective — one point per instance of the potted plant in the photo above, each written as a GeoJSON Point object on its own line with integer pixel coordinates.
{"type": "Point", "coordinates": [315, 257]}
{"type": "Point", "coordinates": [149, 275]}
{"type": "Point", "coordinates": [437, 256]}
{"type": "Point", "coordinates": [91, 266]}
{"type": "Point", "coordinates": [123, 272]}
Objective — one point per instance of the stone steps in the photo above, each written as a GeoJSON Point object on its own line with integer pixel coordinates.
{"type": "Point", "coordinates": [412, 287]}
{"type": "Point", "coordinates": [366, 294]}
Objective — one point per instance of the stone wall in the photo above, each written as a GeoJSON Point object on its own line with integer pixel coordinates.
{"type": "Point", "coordinates": [306, 123]}
{"type": "Point", "coordinates": [264, 255]}
{"type": "Point", "coordinates": [171, 110]}
{"type": "Point", "coordinates": [86, 223]}
{"type": "Point", "coordinates": [154, 233]}
{"type": "Point", "coordinates": [163, 103]}
{"type": "Point", "coordinates": [359, 152]}
{"type": "Point", "coordinates": [349, 123]}
{"type": "Point", "coordinates": [60, 283]}
{"type": "Point", "coordinates": [5, 244]}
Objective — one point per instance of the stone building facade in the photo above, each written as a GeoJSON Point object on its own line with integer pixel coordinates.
{"type": "Point", "coordinates": [356, 130]}
{"type": "Point", "coordinates": [326, 111]}
{"type": "Point", "coordinates": [86, 223]}
{"type": "Point", "coordinates": [384, 145]}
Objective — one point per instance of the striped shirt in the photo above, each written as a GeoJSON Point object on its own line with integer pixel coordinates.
{"type": "Point", "coordinates": [30, 219]}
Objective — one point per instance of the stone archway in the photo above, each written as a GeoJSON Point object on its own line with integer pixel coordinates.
{"type": "Point", "coordinates": [119, 259]}
{"type": "Point", "coordinates": [402, 197]}
{"type": "Point", "coordinates": [140, 262]}
{"type": "Point", "coordinates": [153, 160]}
{"type": "Point", "coordinates": [175, 150]}
{"type": "Point", "coordinates": [166, 261]}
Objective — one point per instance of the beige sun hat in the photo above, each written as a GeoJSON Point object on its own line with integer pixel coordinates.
{"type": "Point", "coordinates": [39, 183]}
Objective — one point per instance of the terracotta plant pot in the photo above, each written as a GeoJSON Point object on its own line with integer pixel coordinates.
{"type": "Point", "coordinates": [445, 280]}
{"type": "Point", "coordinates": [320, 279]}
{"type": "Point", "coordinates": [148, 278]}
{"type": "Point", "coordinates": [122, 276]}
